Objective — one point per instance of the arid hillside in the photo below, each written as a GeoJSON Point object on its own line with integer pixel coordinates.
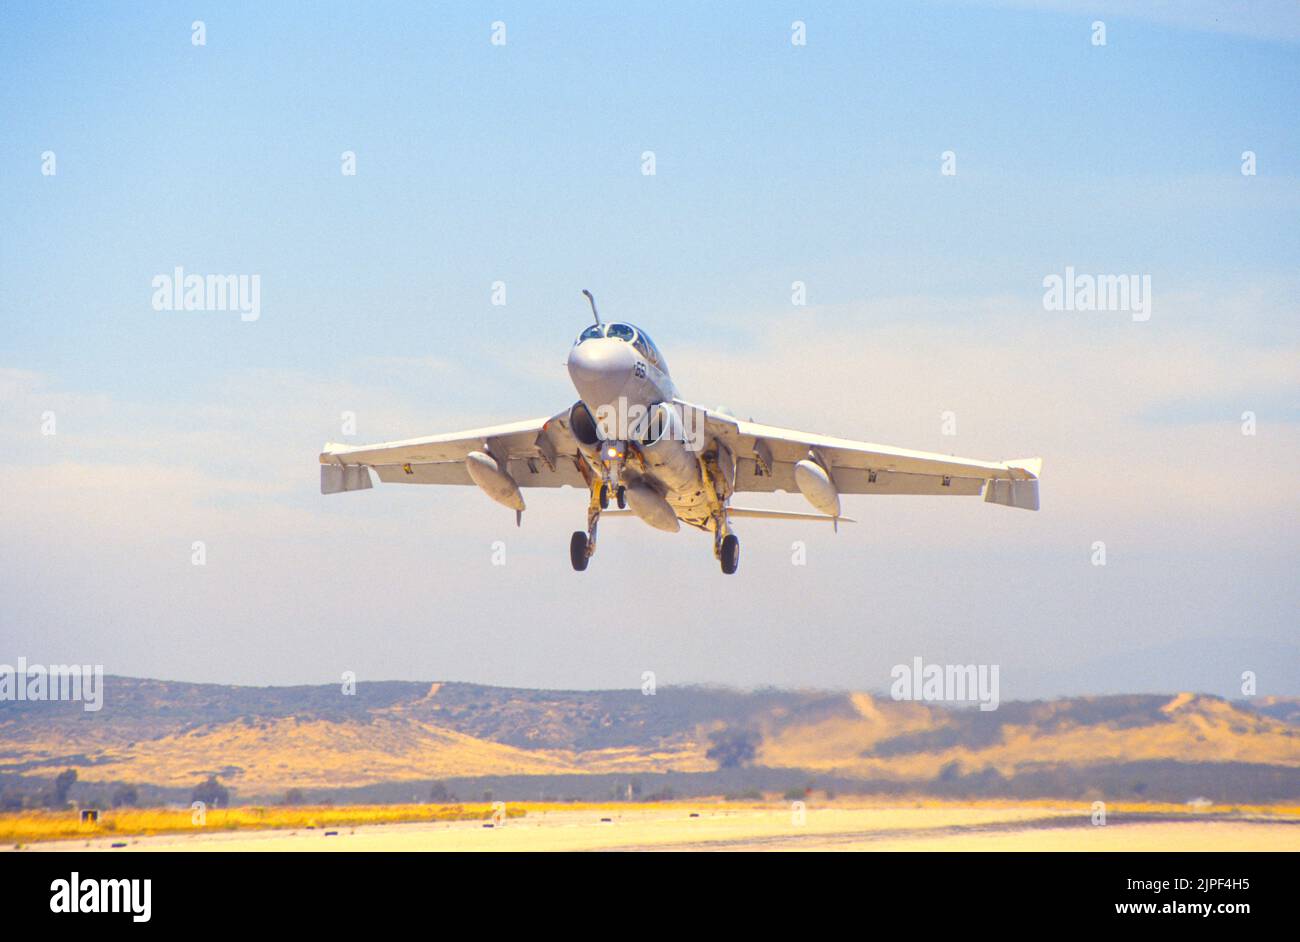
{"type": "Point", "coordinates": [263, 741]}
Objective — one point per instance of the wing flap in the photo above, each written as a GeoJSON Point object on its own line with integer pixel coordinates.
{"type": "Point", "coordinates": [452, 446]}
{"type": "Point", "coordinates": [750, 477]}
{"type": "Point", "coordinates": [430, 472]}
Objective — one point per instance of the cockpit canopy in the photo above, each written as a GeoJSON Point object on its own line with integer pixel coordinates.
{"type": "Point", "coordinates": [627, 333]}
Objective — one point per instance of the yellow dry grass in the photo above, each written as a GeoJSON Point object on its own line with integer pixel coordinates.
{"type": "Point", "coordinates": [23, 827]}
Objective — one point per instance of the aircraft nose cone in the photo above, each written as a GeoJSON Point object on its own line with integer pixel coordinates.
{"type": "Point", "coordinates": [600, 370]}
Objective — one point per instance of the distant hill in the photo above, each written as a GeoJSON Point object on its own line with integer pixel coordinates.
{"type": "Point", "coordinates": [398, 737]}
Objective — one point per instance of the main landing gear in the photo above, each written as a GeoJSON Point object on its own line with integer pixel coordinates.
{"type": "Point", "coordinates": [726, 545]}
{"type": "Point", "coordinates": [578, 553]}
{"type": "Point", "coordinates": [729, 553]}
{"type": "Point", "coordinates": [582, 546]}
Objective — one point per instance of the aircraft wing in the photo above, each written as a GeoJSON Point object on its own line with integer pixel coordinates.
{"type": "Point", "coordinates": [539, 452]}
{"type": "Point", "coordinates": [766, 456]}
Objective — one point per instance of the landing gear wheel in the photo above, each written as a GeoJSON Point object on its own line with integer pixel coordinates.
{"type": "Point", "coordinates": [730, 553]}
{"type": "Point", "coordinates": [621, 496]}
{"type": "Point", "coordinates": [578, 550]}
{"type": "Point", "coordinates": [604, 496]}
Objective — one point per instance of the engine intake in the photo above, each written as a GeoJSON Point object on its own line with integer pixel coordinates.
{"type": "Point", "coordinates": [583, 425]}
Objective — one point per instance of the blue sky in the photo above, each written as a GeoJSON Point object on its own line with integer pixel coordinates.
{"type": "Point", "coordinates": [775, 163]}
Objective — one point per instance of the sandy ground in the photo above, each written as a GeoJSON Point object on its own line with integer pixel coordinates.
{"type": "Point", "coordinates": [713, 828]}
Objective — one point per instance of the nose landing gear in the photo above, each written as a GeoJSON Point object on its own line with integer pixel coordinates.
{"type": "Point", "coordinates": [607, 469]}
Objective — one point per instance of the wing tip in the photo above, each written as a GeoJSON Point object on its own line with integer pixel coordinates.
{"type": "Point", "coordinates": [1034, 466]}
{"type": "Point", "coordinates": [330, 451]}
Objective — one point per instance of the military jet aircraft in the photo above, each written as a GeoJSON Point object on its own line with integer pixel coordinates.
{"type": "Point", "coordinates": [630, 439]}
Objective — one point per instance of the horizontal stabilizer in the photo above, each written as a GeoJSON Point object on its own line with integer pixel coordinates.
{"type": "Point", "coordinates": [753, 513]}
{"type": "Point", "coordinates": [783, 515]}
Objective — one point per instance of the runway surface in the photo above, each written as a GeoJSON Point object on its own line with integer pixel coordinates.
{"type": "Point", "coordinates": [680, 827]}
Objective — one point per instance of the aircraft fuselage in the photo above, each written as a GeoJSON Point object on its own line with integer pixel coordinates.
{"type": "Point", "coordinates": [623, 381]}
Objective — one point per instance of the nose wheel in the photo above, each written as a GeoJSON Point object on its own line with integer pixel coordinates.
{"type": "Point", "coordinates": [620, 497]}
